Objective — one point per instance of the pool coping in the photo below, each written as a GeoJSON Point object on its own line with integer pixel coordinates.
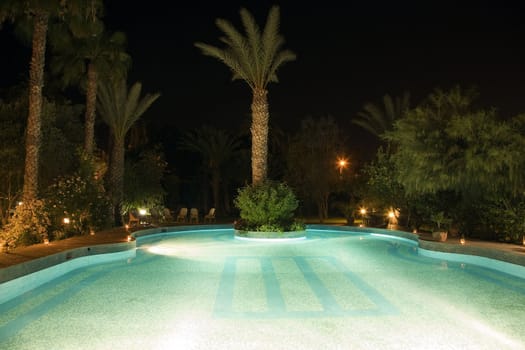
{"type": "Point", "coordinates": [22, 277]}
{"type": "Point", "coordinates": [444, 250]}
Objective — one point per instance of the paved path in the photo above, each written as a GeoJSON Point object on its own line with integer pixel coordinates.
{"type": "Point", "coordinates": [23, 254]}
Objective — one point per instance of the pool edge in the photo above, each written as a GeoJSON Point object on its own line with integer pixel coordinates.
{"type": "Point", "coordinates": [69, 260]}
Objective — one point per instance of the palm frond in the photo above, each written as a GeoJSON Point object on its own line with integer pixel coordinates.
{"type": "Point", "coordinates": [253, 57]}
{"type": "Point", "coordinates": [270, 38]}
{"type": "Point", "coordinates": [390, 110]}
{"type": "Point", "coordinates": [281, 58]}
{"type": "Point", "coordinates": [253, 38]}
{"type": "Point", "coordinates": [120, 109]}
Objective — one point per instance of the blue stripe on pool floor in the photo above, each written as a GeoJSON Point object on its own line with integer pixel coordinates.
{"type": "Point", "coordinates": [274, 298]}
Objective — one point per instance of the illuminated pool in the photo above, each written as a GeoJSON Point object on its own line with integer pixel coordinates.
{"type": "Point", "coordinates": [334, 290]}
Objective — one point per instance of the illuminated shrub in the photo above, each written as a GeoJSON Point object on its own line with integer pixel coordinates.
{"type": "Point", "coordinates": [269, 206]}
{"type": "Point", "coordinates": [28, 225]}
{"type": "Point", "coordinates": [80, 199]}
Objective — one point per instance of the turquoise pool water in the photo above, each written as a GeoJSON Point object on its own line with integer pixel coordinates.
{"type": "Point", "coordinates": [334, 290]}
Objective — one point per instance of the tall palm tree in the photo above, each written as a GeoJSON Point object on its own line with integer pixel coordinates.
{"type": "Point", "coordinates": [253, 57]}
{"type": "Point", "coordinates": [379, 119]}
{"type": "Point", "coordinates": [120, 109]}
{"type": "Point", "coordinates": [82, 57]}
{"type": "Point", "coordinates": [39, 13]}
{"type": "Point", "coordinates": [217, 148]}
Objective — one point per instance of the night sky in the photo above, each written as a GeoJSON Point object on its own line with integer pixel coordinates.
{"type": "Point", "coordinates": [347, 55]}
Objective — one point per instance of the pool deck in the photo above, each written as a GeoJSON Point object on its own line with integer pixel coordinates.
{"type": "Point", "coordinates": [118, 235]}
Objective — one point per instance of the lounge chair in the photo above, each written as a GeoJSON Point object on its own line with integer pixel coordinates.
{"type": "Point", "coordinates": [167, 216]}
{"type": "Point", "coordinates": [194, 215]}
{"type": "Point", "coordinates": [133, 220]}
{"type": "Point", "coordinates": [182, 216]}
{"type": "Point", "coordinates": [210, 217]}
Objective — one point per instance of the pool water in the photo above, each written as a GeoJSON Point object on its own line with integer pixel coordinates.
{"type": "Point", "coordinates": [334, 290]}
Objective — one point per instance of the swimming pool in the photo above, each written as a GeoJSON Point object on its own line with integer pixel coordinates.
{"type": "Point", "coordinates": [335, 290]}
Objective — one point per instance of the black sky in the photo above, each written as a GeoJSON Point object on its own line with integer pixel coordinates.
{"type": "Point", "coordinates": [348, 53]}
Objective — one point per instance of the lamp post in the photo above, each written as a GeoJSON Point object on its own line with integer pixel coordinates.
{"type": "Point", "coordinates": [341, 164]}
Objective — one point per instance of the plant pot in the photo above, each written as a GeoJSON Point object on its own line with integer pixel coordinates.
{"type": "Point", "coordinates": [440, 236]}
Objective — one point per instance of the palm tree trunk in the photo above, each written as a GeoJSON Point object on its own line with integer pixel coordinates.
{"type": "Point", "coordinates": [91, 100]}
{"type": "Point", "coordinates": [116, 179]}
{"type": "Point", "coordinates": [216, 187]}
{"type": "Point", "coordinates": [34, 119]}
{"type": "Point", "coordinates": [259, 131]}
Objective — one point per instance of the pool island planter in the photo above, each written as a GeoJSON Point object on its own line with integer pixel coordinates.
{"type": "Point", "coordinates": [270, 235]}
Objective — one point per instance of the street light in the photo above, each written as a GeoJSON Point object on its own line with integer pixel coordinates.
{"type": "Point", "coordinates": [341, 164]}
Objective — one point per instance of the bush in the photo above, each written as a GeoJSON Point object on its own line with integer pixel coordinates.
{"type": "Point", "coordinates": [82, 200]}
{"type": "Point", "coordinates": [268, 206]}
{"type": "Point", "coordinates": [29, 224]}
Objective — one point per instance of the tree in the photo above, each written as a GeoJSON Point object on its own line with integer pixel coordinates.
{"type": "Point", "coordinates": [469, 157]}
{"type": "Point", "coordinates": [377, 120]}
{"type": "Point", "coordinates": [143, 177]}
{"type": "Point", "coordinates": [11, 155]}
{"type": "Point", "coordinates": [312, 168]}
{"type": "Point", "coordinates": [81, 56]}
{"type": "Point", "coordinates": [120, 109]}
{"type": "Point", "coordinates": [383, 190]}
{"type": "Point", "coordinates": [38, 13]}
{"type": "Point", "coordinates": [253, 57]}
{"type": "Point", "coordinates": [444, 145]}
{"type": "Point", "coordinates": [217, 149]}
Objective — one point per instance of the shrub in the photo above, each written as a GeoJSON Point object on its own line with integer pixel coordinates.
{"type": "Point", "coordinates": [268, 206]}
{"type": "Point", "coordinates": [82, 200]}
{"type": "Point", "coordinates": [29, 224]}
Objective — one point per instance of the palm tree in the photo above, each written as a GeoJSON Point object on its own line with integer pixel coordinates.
{"type": "Point", "coordinates": [217, 148]}
{"type": "Point", "coordinates": [254, 58]}
{"type": "Point", "coordinates": [82, 58]}
{"type": "Point", "coordinates": [120, 109]}
{"type": "Point", "coordinates": [38, 12]}
{"type": "Point", "coordinates": [379, 119]}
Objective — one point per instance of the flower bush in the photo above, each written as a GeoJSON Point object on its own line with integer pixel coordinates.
{"type": "Point", "coordinates": [268, 206]}
{"type": "Point", "coordinates": [80, 199]}
{"type": "Point", "coordinates": [29, 225]}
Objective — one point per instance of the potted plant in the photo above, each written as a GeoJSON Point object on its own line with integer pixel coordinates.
{"type": "Point", "coordinates": [441, 223]}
